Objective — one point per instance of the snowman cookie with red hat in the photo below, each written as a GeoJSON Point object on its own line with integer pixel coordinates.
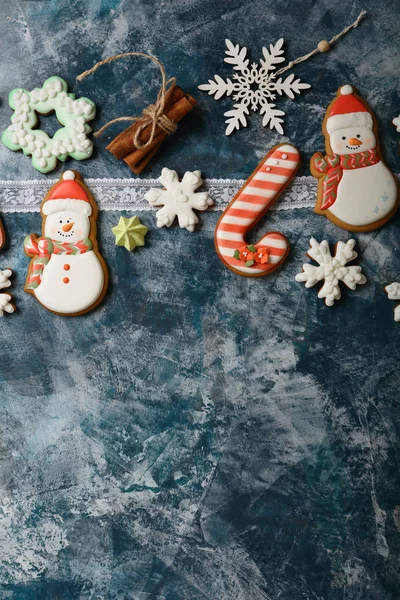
{"type": "Point", "coordinates": [67, 273]}
{"type": "Point", "coordinates": [356, 190]}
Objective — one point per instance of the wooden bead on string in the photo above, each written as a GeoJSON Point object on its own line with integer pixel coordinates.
{"type": "Point", "coordinates": [323, 46]}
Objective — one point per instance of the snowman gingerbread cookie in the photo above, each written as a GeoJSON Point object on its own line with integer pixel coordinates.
{"type": "Point", "coordinates": [67, 273]}
{"type": "Point", "coordinates": [356, 190]}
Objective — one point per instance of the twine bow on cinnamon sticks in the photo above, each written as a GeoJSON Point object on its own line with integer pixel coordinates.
{"type": "Point", "coordinates": [137, 144]}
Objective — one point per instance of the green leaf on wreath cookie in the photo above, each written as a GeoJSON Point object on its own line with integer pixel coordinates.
{"type": "Point", "coordinates": [236, 254]}
{"type": "Point", "coordinates": [251, 248]}
{"type": "Point", "coordinates": [249, 263]}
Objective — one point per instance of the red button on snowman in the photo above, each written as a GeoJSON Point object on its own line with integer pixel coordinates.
{"type": "Point", "coordinates": [67, 274]}
{"type": "Point", "coordinates": [356, 190]}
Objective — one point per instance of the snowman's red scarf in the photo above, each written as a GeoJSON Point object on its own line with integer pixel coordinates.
{"type": "Point", "coordinates": [41, 249]}
{"type": "Point", "coordinates": [334, 164]}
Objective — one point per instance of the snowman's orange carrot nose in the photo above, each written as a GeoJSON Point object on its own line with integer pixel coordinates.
{"type": "Point", "coordinates": [67, 226]}
{"type": "Point", "coordinates": [355, 142]}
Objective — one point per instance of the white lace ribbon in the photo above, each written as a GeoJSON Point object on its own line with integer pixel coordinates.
{"type": "Point", "coordinates": [128, 194]}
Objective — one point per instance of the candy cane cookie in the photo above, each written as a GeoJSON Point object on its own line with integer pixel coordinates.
{"type": "Point", "coordinates": [252, 201]}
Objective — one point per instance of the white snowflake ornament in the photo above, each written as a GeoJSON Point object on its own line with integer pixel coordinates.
{"type": "Point", "coordinates": [396, 123]}
{"type": "Point", "coordinates": [393, 292]}
{"type": "Point", "coordinates": [178, 199]}
{"type": "Point", "coordinates": [331, 269]}
{"type": "Point", "coordinates": [254, 87]}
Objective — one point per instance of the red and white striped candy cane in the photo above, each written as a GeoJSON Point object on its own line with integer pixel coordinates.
{"type": "Point", "coordinates": [257, 195]}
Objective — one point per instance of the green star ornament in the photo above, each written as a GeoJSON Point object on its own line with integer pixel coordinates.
{"type": "Point", "coordinates": [129, 233]}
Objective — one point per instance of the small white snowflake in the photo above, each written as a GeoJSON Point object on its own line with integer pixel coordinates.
{"type": "Point", "coordinates": [178, 199]}
{"type": "Point", "coordinates": [331, 269]}
{"type": "Point", "coordinates": [5, 278]}
{"type": "Point", "coordinates": [254, 87]}
{"type": "Point", "coordinates": [5, 304]}
{"type": "Point", "coordinates": [393, 292]}
{"type": "Point", "coordinates": [5, 299]}
{"type": "Point", "coordinates": [396, 123]}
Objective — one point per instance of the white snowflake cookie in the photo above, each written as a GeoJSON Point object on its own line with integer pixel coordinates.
{"type": "Point", "coordinates": [393, 292]}
{"type": "Point", "coordinates": [5, 278]}
{"type": "Point", "coordinates": [331, 269]}
{"type": "Point", "coordinates": [254, 87]}
{"type": "Point", "coordinates": [178, 199]}
{"type": "Point", "coordinates": [6, 306]}
{"type": "Point", "coordinates": [73, 114]}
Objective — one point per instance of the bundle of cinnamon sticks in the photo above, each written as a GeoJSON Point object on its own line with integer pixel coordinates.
{"type": "Point", "coordinates": [177, 105]}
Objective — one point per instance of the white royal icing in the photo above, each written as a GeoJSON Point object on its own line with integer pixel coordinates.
{"type": "Point", "coordinates": [365, 195]}
{"type": "Point", "coordinates": [5, 304]}
{"type": "Point", "coordinates": [69, 140]}
{"type": "Point", "coordinates": [5, 299]}
{"type": "Point", "coordinates": [86, 280]}
{"type": "Point", "coordinates": [393, 292]}
{"type": "Point", "coordinates": [178, 199]}
{"type": "Point", "coordinates": [5, 278]}
{"type": "Point", "coordinates": [331, 269]}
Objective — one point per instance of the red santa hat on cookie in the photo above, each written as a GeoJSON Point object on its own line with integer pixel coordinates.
{"type": "Point", "coordinates": [348, 111]}
{"type": "Point", "coordinates": [67, 194]}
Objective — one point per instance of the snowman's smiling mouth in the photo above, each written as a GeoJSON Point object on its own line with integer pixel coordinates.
{"type": "Point", "coordinates": [353, 147]}
{"type": "Point", "coordinates": [66, 235]}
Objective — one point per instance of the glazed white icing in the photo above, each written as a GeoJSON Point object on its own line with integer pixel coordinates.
{"type": "Point", "coordinates": [5, 278]}
{"type": "Point", "coordinates": [5, 304]}
{"type": "Point", "coordinates": [73, 114]}
{"type": "Point", "coordinates": [331, 269]}
{"type": "Point", "coordinates": [86, 280]}
{"type": "Point", "coordinates": [393, 292]}
{"type": "Point", "coordinates": [178, 199]}
{"type": "Point", "coordinates": [365, 195]}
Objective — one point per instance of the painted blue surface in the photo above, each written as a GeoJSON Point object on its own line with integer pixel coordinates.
{"type": "Point", "coordinates": [201, 436]}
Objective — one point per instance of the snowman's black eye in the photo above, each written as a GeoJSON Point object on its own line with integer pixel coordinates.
{"type": "Point", "coordinates": [358, 135]}
{"type": "Point", "coordinates": [344, 137]}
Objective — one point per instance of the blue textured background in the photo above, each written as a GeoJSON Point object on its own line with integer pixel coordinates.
{"type": "Point", "coordinates": [201, 436]}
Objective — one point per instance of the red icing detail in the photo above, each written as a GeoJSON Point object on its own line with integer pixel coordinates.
{"type": "Point", "coordinates": [66, 267]}
{"type": "Point", "coordinates": [294, 156]}
{"type": "Point", "coordinates": [347, 104]}
{"type": "Point", "coordinates": [65, 280]}
{"type": "Point", "coordinates": [68, 188]}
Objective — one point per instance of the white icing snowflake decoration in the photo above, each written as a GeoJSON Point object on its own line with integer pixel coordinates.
{"type": "Point", "coordinates": [5, 299]}
{"type": "Point", "coordinates": [254, 87]}
{"type": "Point", "coordinates": [5, 304]}
{"type": "Point", "coordinates": [178, 199]}
{"type": "Point", "coordinates": [331, 269]}
{"type": "Point", "coordinates": [396, 123]}
{"type": "Point", "coordinates": [393, 292]}
{"type": "Point", "coordinates": [5, 278]}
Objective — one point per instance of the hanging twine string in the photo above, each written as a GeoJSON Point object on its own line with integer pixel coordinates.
{"type": "Point", "coordinates": [153, 114]}
{"type": "Point", "coordinates": [323, 45]}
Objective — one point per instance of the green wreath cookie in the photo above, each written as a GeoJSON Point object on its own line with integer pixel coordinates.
{"type": "Point", "coordinates": [69, 140]}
